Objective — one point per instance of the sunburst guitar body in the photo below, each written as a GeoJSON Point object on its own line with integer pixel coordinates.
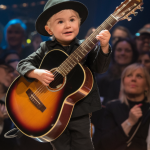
{"type": "Point", "coordinates": [44, 112]}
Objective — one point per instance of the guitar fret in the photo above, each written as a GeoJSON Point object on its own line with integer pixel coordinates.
{"type": "Point", "coordinates": [102, 27]}
{"type": "Point", "coordinates": [91, 41]}
{"type": "Point", "coordinates": [97, 32]}
{"type": "Point", "coordinates": [68, 67]}
{"type": "Point", "coordinates": [62, 69]}
{"type": "Point", "coordinates": [81, 53]}
{"type": "Point", "coordinates": [71, 64]}
{"type": "Point", "coordinates": [87, 45]}
{"type": "Point", "coordinates": [77, 54]}
{"type": "Point", "coordinates": [113, 17]}
{"type": "Point", "coordinates": [108, 23]}
{"type": "Point", "coordinates": [72, 60]}
{"type": "Point", "coordinates": [84, 49]}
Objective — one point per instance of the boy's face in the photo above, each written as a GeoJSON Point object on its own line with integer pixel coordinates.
{"type": "Point", "coordinates": [64, 25]}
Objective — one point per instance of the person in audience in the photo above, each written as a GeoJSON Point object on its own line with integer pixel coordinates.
{"type": "Point", "coordinates": [142, 39]}
{"type": "Point", "coordinates": [120, 32]}
{"type": "Point", "coordinates": [35, 40]}
{"type": "Point", "coordinates": [6, 78]}
{"type": "Point", "coordinates": [128, 116]}
{"type": "Point", "coordinates": [14, 33]}
{"type": "Point", "coordinates": [11, 57]}
{"type": "Point", "coordinates": [144, 59]}
{"type": "Point", "coordinates": [124, 53]}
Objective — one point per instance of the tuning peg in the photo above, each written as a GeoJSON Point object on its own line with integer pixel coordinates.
{"type": "Point", "coordinates": [142, 8]}
{"type": "Point", "coordinates": [135, 13]}
{"type": "Point", "coordinates": [129, 18]}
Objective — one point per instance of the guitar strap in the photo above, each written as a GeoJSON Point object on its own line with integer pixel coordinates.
{"type": "Point", "coordinates": [18, 134]}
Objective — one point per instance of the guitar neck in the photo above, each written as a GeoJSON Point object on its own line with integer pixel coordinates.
{"type": "Point", "coordinates": [85, 47]}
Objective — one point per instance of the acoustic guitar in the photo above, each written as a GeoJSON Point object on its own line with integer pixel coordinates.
{"type": "Point", "coordinates": [42, 112]}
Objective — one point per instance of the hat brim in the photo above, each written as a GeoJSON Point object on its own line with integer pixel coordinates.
{"type": "Point", "coordinates": [45, 15]}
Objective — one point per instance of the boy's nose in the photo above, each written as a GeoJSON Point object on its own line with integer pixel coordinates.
{"type": "Point", "coordinates": [67, 24]}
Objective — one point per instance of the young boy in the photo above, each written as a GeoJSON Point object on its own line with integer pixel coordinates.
{"type": "Point", "coordinates": [62, 19]}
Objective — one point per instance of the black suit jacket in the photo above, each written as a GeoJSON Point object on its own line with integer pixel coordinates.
{"type": "Point", "coordinates": [96, 60]}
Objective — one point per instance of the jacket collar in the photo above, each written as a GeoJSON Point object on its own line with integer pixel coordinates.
{"type": "Point", "coordinates": [55, 42]}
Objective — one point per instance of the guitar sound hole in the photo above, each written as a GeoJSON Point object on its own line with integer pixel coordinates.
{"type": "Point", "coordinates": [57, 82]}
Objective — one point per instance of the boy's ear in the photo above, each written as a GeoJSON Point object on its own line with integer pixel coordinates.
{"type": "Point", "coordinates": [48, 30]}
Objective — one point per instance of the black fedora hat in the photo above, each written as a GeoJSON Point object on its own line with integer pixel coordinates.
{"type": "Point", "coordinates": [54, 6]}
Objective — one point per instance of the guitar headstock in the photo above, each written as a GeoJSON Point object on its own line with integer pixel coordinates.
{"type": "Point", "coordinates": [127, 8]}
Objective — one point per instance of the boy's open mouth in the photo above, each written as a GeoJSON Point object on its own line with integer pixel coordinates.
{"type": "Point", "coordinates": [68, 32]}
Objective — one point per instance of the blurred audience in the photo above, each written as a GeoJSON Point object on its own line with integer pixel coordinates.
{"type": "Point", "coordinates": [144, 59]}
{"type": "Point", "coordinates": [1, 37]}
{"type": "Point", "coordinates": [1, 32]}
{"type": "Point", "coordinates": [128, 116]}
{"type": "Point", "coordinates": [124, 53]}
{"type": "Point", "coordinates": [35, 41]}
{"type": "Point", "coordinates": [15, 35]}
{"type": "Point", "coordinates": [119, 32]}
{"type": "Point", "coordinates": [147, 25]}
{"type": "Point", "coordinates": [142, 39]}
{"type": "Point", "coordinates": [11, 57]}
{"type": "Point", "coordinates": [6, 78]}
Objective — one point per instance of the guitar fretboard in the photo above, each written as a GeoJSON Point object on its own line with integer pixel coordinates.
{"type": "Point", "coordinates": [85, 47]}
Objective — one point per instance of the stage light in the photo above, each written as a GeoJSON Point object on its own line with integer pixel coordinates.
{"type": "Point", "coordinates": [24, 4]}
{"type": "Point", "coordinates": [42, 2]}
{"type": "Point", "coordinates": [137, 34]}
{"type": "Point", "coordinates": [14, 6]}
{"type": "Point", "coordinates": [33, 4]}
{"type": "Point", "coordinates": [3, 7]}
{"type": "Point", "coordinates": [28, 41]}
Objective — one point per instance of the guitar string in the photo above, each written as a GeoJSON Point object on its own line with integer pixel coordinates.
{"type": "Point", "coordinates": [115, 14]}
{"type": "Point", "coordinates": [94, 36]}
{"type": "Point", "coordinates": [89, 41]}
{"type": "Point", "coordinates": [89, 38]}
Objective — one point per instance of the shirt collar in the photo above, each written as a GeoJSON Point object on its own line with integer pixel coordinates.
{"type": "Point", "coordinates": [55, 42]}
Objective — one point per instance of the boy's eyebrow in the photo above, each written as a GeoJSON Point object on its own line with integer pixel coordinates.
{"type": "Point", "coordinates": [62, 18]}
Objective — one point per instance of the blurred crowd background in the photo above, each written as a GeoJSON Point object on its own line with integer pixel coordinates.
{"type": "Point", "coordinates": [130, 42]}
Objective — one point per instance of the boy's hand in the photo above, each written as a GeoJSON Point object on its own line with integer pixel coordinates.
{"type": "Point", "coordinates": [104, 37]}
{"type": "Point", "coordinates": [44, 76]}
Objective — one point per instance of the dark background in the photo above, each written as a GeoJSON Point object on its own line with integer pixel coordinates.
{"type": "Point", "coordinates": [99, 10]}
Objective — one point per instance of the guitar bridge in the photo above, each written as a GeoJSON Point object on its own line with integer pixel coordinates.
{"type": "Point", "coordinates": [35, 100]}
